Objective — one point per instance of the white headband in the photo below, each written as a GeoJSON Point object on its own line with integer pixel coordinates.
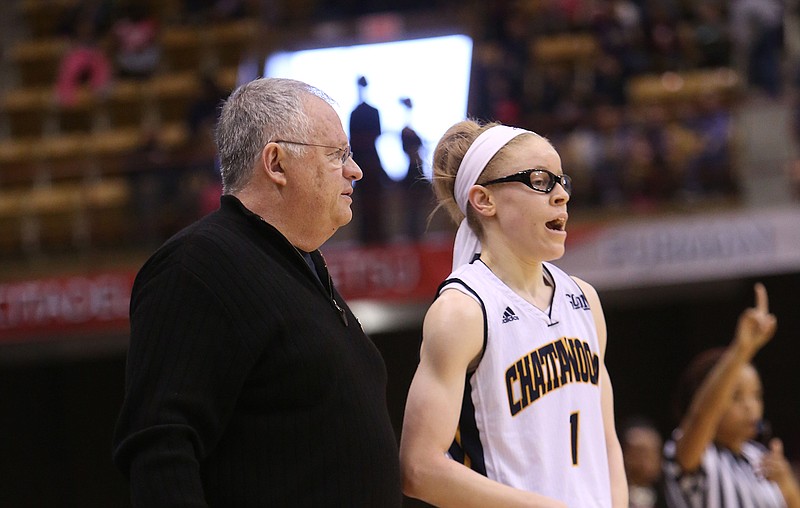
{"type": "Point", "coordinates": [478, 155]}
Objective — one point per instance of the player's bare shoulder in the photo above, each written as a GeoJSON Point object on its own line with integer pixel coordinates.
{"type": "Point", "coordinates": [454, 322]}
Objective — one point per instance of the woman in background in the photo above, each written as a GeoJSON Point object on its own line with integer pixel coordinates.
{"type": "Point", "coordinates": [713, 460]}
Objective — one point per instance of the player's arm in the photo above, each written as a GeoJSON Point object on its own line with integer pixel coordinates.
{"type": "Point", "coordinates": [452, 340]}
{"type": "Point", "coordinates": [616, 469]}
{"type": "Point", "coordinates": [755, 328]}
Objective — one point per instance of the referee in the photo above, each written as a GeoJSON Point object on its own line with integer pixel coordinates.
{"type": "Point", "coordinates": [713, 460]}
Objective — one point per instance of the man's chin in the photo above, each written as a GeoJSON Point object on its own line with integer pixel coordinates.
{"type": "Point", "coordinates": [346, 217]}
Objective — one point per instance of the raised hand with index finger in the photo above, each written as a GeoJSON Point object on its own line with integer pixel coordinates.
{"type": "Point", "coordinates": [756, 325]}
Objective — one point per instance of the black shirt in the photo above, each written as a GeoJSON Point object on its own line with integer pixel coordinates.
{"type": "Point", "coordinates": [244, 384]}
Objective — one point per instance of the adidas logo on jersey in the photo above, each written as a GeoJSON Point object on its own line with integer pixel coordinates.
{"type": "Point", "coordinates": [508, 315]}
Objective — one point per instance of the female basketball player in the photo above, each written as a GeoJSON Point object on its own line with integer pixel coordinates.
{"type": "Point", "coordinates": [511, 404]}
{"type": "Point", "coordinates": [713, 460]}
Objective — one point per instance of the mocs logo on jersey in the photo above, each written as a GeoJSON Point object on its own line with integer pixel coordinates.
{"type": "Point", "coordinates": [509, 315]}
{"type": "Point", "coordinates": [578, 302]}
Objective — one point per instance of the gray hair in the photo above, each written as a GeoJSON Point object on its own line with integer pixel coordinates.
{"type": "Point", "coordinates": [256, 113]}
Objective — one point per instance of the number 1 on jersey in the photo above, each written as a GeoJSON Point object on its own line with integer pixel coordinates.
{"type": "Point", "coordinates": [573, 427]}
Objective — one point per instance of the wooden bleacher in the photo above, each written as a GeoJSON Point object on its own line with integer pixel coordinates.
{"type": "Point", "coordinates": [26, 111]}
{"type": "Point", "coordinates": [66, 172]}
{"type": "Point", "coordinates": [68, 157]}
{"type": "Point", "coordinates": [672, 87]}
{"type": "Point", "coordinates": [37, 60]}
{"type": "Point", "coordinates": [567, 48]}
{"type": "Point", "coordinates": [33, 112]}
{"type": "Point", "coordinates": [42, 18]}
{"type": "Point", "coordinates": [63, 217]}
{"type": "Point", "coordinates": [183, 48]}
{"type": "Point", "coordinates": [230, 41]}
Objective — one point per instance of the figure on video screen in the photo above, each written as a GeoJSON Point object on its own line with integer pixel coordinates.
{"type": "Point", "coordinates": [416, 189]}
{"type": "Point", "coordinates": [365, 128]}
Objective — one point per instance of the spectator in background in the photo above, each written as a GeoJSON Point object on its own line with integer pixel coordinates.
{"type": "Point", "coordinates": [661, 35]}
{"type": "Point", "coordinates": [224, 10]}
{"type": "Point", "coordinates": [669, 143]}
{"type": "Point", "coordinates": [205, 11]}
{"type": "Point", "coordinates": [556, 85]}
{"type": "Point", "coordinates": [84, 64]}
{"type": "Point", "coordinates": [713, 460]}
{"type": "Point", "coordinates": [577, 148]}
{"type": "Point", "coordinates": [504, 105]}
{"type": "Point", "coordinates": [645, 179]}
{"type": "Point", "coordinates": [677, 143]}
{"type": "Point", "coordinates": [134, 42]}
{"type": "Point", "coordinates": [98, 13]}
{"type": "Point", "coordinates": [707, 35]}
{"type": "Point", "coordinates": [617, 27]}
{"type": "Point", "coordinates": [711, 166]}
{"type": "Point", "coordinates": [609, 80]}
{"type": "Point", "coordinates": [609, 139]}
{"type": "Point", "coordinates": [155, 184]}
{"type": "Point", "coordinates": [201, 156]}
{"type": "Point", "coordinates": [641, 452]}
{"type": "Point", "coordinates": [757, 33]}
{"type": "Point", "coordinates": [501, 60]}
{"type": "Point", "coordinates": [204, 109]}
{"type": "Point", "coordinates": [494, 77]}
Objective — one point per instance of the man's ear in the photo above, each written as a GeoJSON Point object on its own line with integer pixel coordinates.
{"type": "Point", "coordinates": [482, 200]}
{"type": "Point", "coordinates": [273, 156]}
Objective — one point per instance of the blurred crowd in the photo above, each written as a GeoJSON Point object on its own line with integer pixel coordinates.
{"type": "Point", "coordinates": [122, 39]}
{"type": "Point", "coordinates": [571, 70]}
{"type": "Point", "coordinates": [623, 150]}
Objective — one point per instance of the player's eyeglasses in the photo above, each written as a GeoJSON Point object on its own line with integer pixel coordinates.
{"type": "Point", "coordinates": [343, 153]}
{"type": "Point", "coordinates": [539, 180]}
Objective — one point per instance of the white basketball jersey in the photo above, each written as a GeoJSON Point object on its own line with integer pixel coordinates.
{"type": "Point", "coordinates": [531, 415]}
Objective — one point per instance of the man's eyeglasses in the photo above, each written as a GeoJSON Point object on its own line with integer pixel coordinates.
{"type": "Point", "coordinates": [343, 153]}
{"type": "Point", "coordinates": [539, 180]}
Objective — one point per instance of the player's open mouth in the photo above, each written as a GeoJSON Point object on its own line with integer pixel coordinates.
{"type": "Point", "coordinates": [557, 224]}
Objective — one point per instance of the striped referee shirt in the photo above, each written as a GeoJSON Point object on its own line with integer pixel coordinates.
{"type": "Point", "coordinates": [723, 480]}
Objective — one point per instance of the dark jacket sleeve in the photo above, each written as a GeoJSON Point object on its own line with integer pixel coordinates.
{"type": "Point", "coordinates": [185, 369]}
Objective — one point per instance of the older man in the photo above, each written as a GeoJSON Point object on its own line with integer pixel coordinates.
{"type": "Point", "coordinates": [249, 382]}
